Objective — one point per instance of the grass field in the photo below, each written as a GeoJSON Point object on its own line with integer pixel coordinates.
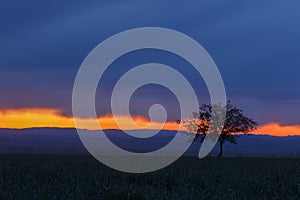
{"type": "Point", "coordinates": [82, 177]}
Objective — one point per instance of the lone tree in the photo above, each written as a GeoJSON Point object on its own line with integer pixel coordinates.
{"type": "Point", "coordinates": [234, 122]}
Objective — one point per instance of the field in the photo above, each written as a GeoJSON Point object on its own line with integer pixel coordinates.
{"type": "Point", "coordinates": [82, 177]}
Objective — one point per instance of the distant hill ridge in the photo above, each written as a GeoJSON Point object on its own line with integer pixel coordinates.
{"type": "Point", "coordinates": [66, 141]}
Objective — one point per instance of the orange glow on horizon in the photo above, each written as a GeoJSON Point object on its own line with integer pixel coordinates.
{"type": "Point", "coordinates": [45, 117]}
{"type": "Point", "coordinates": [277, 129]}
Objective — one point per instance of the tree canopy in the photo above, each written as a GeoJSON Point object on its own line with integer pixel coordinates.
{"type": "Point", "coordinates": [209, 119]}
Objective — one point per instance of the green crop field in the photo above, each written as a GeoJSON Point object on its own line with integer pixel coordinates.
{"type": "Point", "coordinates": [82, 177]}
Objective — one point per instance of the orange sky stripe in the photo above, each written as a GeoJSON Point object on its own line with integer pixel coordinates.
{"type": "Point", "coordinates": [44, 117]}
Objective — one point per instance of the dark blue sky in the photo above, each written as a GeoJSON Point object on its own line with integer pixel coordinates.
{"type": "Point", "coordinates": [255, 44]}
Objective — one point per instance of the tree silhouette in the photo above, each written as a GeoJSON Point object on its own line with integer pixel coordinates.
{"type": "Point", "coordinates": [212, 115]}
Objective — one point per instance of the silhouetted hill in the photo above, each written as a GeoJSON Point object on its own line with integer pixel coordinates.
{"type": "Point", "coordinates": [66, 141]}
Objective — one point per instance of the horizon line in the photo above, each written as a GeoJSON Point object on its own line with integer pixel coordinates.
{"type": "Point", "coordinates": [111, 129]}
{"type": "Point", "coordinates": [53, 118]}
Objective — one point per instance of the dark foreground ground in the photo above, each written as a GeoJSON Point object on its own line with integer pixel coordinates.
{"type": "Point", "coordinates": [82, 177]}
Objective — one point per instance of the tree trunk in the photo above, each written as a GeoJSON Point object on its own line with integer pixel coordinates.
{"type": "Point", "coordinates": [221, 149]}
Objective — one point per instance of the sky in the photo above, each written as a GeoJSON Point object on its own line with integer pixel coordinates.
{"type": "Point", "coordinates": [255, 44]}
